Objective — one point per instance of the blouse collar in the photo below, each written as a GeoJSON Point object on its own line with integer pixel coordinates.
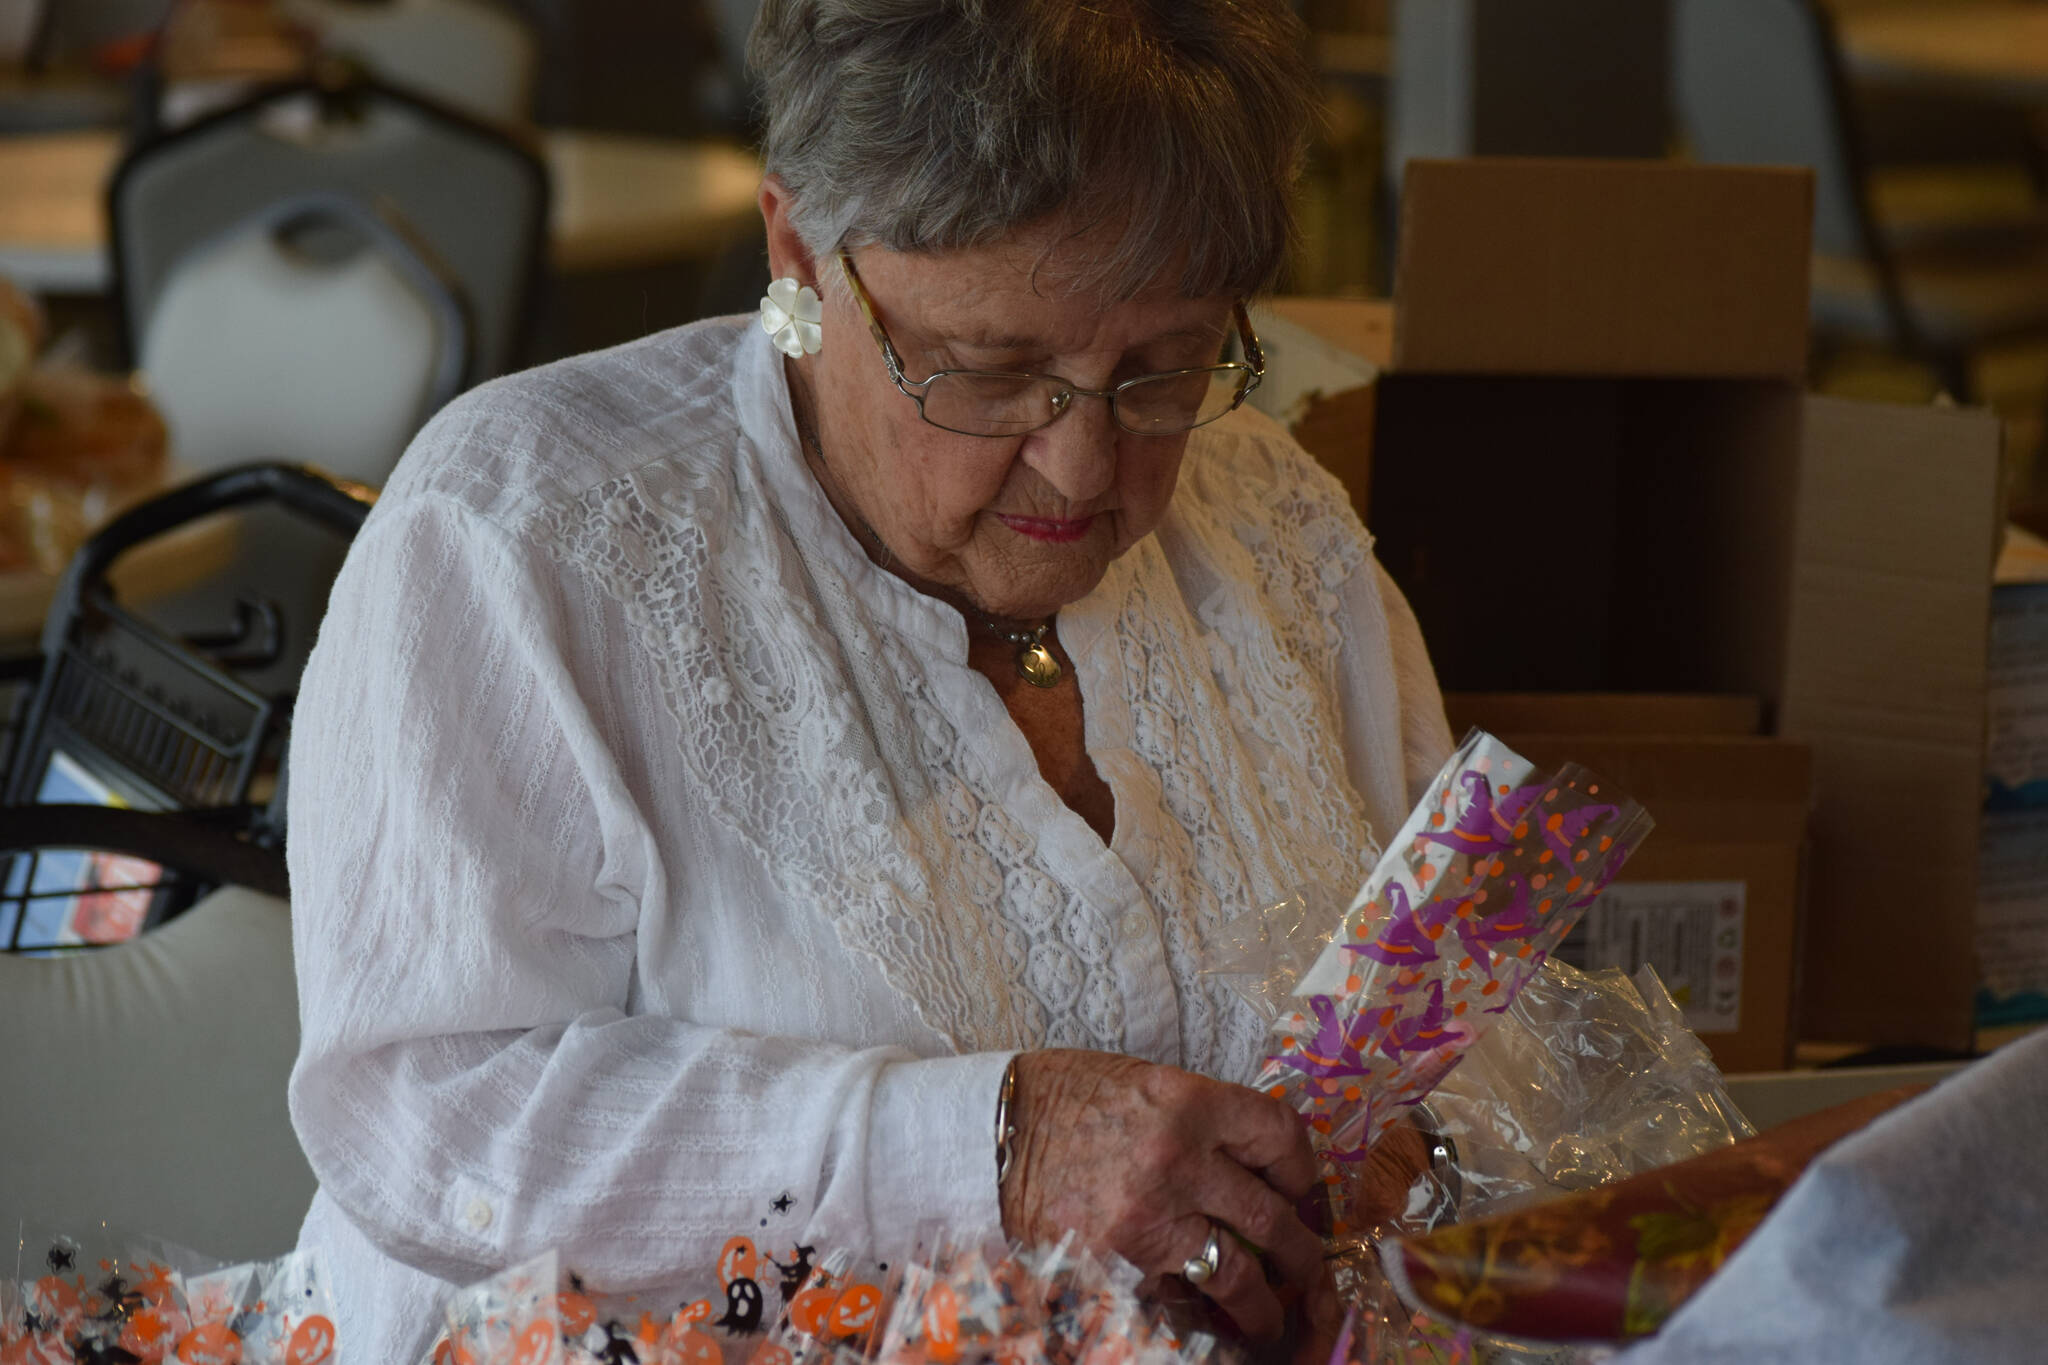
{"type": "Point", "coordinates": [761, 397]}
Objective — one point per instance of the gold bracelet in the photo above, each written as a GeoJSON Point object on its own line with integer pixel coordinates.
{"type": "Point", "coordinates": [1006, 1131]}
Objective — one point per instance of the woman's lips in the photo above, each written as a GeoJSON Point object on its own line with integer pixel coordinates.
{"type": "Point", "coordinates": [1046, 528]}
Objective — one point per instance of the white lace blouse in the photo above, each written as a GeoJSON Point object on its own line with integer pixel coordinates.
{"type": "Point", "coordinates": [661, 869]}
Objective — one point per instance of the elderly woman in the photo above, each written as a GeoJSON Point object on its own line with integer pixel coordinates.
{"type": "Point", "coordinates": [783, 776]}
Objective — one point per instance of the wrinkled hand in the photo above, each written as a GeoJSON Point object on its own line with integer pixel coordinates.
{"type": "Point", "coordinates": [1142, 1160]}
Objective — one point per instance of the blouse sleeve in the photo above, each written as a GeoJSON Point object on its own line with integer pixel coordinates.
{"type": "Point", "coordinates": [469, 871]}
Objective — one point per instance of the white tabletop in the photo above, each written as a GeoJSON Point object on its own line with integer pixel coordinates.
{"type": "Point", "coordinates": [1995, 48]}
{"type": "Point", "coordinates": [618, 201]}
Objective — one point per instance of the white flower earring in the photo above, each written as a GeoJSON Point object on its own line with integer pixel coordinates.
{"type": "Point", "coordinates": [790, 314]}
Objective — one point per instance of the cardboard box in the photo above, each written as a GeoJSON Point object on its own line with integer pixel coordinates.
{"type": "Point", "coordinates": [1605, 713]}
{"type": "Point", "coordinates": [1593, 469]}
{"type": "Point", "coordinates": [1774, 1097]}
{"type": "Point", "coordinates": [1713, 897]}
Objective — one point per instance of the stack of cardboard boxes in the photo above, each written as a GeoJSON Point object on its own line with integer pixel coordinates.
{"type": "Point", "coordinates": [1633, 540]}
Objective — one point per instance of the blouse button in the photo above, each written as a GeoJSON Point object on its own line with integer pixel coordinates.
{"type": "Point", "coordinates": [1135, 923]}
{"type": "Point", "coordinates": [477, 1215]}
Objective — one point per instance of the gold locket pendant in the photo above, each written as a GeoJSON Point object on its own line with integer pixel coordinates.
{"type": "Point", "coordinates": [1035, 663]}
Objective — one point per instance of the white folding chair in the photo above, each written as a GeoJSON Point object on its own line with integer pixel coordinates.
{"type": "Point", "coordinates": [145, 1081]}
{"type": "Point", "coordinates": [473, 198]}
{"type": "Point", "coordinates": [312, 329]}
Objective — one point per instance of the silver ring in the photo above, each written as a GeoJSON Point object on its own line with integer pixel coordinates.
{"type": "Point", "coordinates": [1202, 1269]}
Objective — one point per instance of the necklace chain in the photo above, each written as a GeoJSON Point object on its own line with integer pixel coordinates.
{"type": "Point", "coordinates": [1029, 635]}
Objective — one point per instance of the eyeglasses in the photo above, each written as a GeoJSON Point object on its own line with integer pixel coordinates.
{"type": "Point", "coordinates": [1002, 403]}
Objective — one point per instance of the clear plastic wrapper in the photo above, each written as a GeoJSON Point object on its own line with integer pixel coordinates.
{"type": "Point", "coordinates": [1613, 1263]}
{"type": "Point", "coordinates": [1261, 954]}
{"type": "Point", "coordinates": [522, 1314]}
{"type": "Point", "coordinates": [833, 1309]}
{"type": "Point", "coordinates": [1590, 1078]}
{"type": "Point", "coordinates": [540, 1311]}
{"type": "Point", "coordinates": [266, 1313]}
{"type": "Point", "coordinates": [956, 1302]}
{"type": "Point", "coordinates": [1488, 873]}
{"type": "Point", "coordinates": [1435, 997]}
{"type": "Point", "coordinates": [105, 1298]}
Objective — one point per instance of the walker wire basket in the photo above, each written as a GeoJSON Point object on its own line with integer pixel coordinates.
{"type": "Point", "coordinates": [122, 714]}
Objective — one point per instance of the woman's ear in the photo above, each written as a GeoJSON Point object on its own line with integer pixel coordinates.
{"type": "Point", "coordinates": [788, 257]}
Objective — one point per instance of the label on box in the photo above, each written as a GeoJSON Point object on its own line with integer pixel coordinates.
{"type": "Point", "coordinates": [2012, 902]}
{"type": "Point", "coordinates": [1691, 932]}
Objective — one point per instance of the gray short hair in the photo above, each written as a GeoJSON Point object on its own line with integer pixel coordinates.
{"type": "Point", "coordinates": [929, 125]}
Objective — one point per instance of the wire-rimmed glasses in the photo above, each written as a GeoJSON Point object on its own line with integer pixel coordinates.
{"type": "Point", "coordinates": [1006, 403]}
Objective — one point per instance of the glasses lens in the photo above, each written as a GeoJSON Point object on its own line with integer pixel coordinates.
{"type": "Point", "coordinates": [1175, 402]}
{"type": "Point", "coordinates": [991, 404]}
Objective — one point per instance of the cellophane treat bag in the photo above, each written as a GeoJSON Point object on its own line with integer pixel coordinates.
{"type": "Point", "coordinates": [955, 1301]}
{"type": "Point", "coordinates": [1490, 871]}
{"type": "Point", "coordinates": [542, 1312]}
{"type": "Point", "coordinates": [104, 1296]}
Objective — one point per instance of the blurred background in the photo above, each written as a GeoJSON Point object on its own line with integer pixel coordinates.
{"type": "Point", "coordinates": [1924, 118]}
{"type": "Point", "coordinates": [256, 230]}
{"type": "Point", "coordinates": [242, 238]}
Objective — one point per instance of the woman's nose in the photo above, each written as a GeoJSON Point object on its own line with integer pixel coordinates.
{"type": "Point", "coordinates": [1077, 453]}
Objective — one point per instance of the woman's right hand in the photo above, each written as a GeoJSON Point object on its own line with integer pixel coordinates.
{"type": "Point", "coordinates": [1145, 1160]}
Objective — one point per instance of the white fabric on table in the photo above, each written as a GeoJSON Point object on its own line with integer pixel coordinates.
{"type": "Point", "coordinates": [1922, 1240]}
{"type": "Point", "coordinates": [654, 854]}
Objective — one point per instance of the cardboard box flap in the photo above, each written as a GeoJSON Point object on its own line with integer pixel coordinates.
{"type": "Point", "coordinates": [2022, 559]}
{"type": "Point", "coordinates": [1885, 677]}
{"type": "Point", "coordinates": [1617, 268]}
{"type": "Point", "coordinates": [1310, 354]}
{"type": "Point", "coordinates": [1891, 581]}
{"type": "Point", "coordinates": [1360, 329]}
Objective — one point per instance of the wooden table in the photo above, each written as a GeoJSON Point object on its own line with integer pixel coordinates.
{"type": "Point", "coordinates": [53, 222]}
{"type": "Point", "coordinates": [1994, 48]}
{"type": "Point", "coordinates": [623, 201]}
{"type": "Point", "coordinates": [618, 201]}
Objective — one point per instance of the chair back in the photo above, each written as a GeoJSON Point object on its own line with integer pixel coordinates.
{"type": "Point", "coordinates": [1759, 82]}
{"type": "Point", "coordinates": [313, 327]}
{"type": "Point", "coordinates": [146, 1083]}
{"type": "Point", "coordinates": [467, 54]}
{"type": "Point", "coordinates": [473, 198]}
{"type": "Point", "coordinates": [152, 720]}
